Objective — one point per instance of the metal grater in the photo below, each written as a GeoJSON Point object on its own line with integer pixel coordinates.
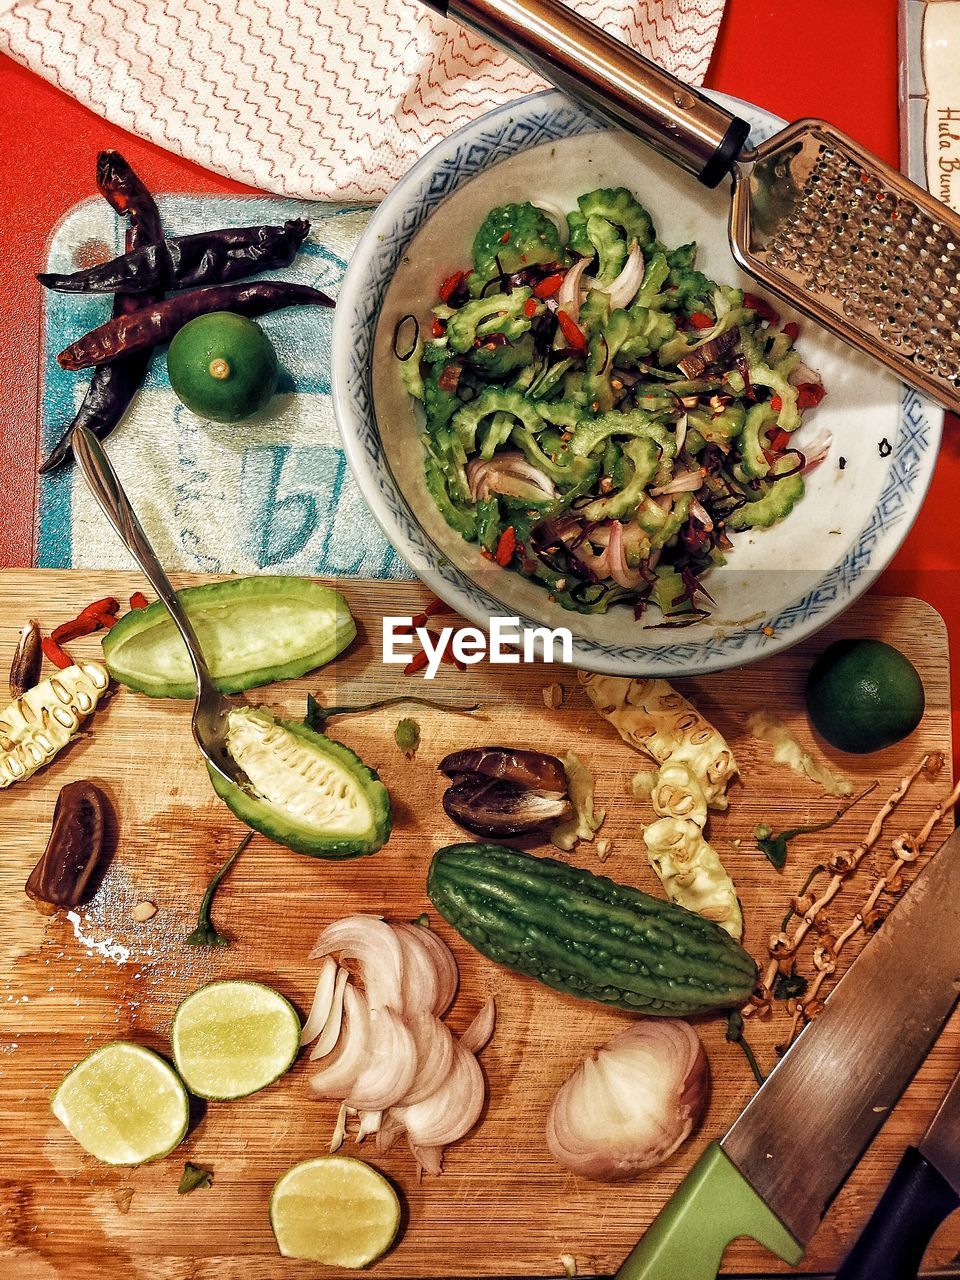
{"type": "Point", "coordinates": [814, 217]}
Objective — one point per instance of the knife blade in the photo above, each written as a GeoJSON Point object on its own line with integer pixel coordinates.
{"type": "Point", "coordinates": [778, 1167]}
{"type": "Point", "coordinates": [924, 1189]}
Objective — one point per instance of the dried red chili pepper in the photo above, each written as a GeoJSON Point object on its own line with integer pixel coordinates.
{"type": "Point", "coordinates": [53, 653]}
{"type": "Point", "coordinates": [436, 607]}
{"type": "Point", "coordinates": [530, 308]}
{"type": "Point", "coordinates": [761, 307]}
{"type": "Point", "coordinates": [148, 327]}
{"type": "Point", "coordinates": [573, 335]}
{"type": "Point", "coordinates": [74, 629]}
{"type": "Point", "coordinates": [438, 328]}
{"type": "Point", "coordinates": [451, 285]}
{"type": "Point", "coordinates": [416, 663]}
{"type": "Point", "coordinates": [506, 546]}
{"type": "Point", "coordinates": [138, 600]}
{"type": "Point", "coordinates": [779, 440]}
{"type": "Point", "coordinates": [113, 386]}
{"type": "Point", "coordinates": [792, 330]}
{"type": "Point", "coordinates": [700, 320]}
{"type": "Point", "coordinates": [107, 605]}
{"type": "Point", "coordinates": [186, 262]}
{"type": "Point", "coordinates": [549, 286]}
{"type": "Point", "coordinates": [809, 394]}
{"type": "Point", "coordinates": [72, 865]}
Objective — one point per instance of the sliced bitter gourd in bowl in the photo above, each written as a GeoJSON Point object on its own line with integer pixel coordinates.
{"type": "Point", "coordinates": [252, 631]}
{"type": "Point", "coordinates": [306, 791]}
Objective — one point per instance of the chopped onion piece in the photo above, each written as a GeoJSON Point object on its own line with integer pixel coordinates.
{"type": "Point", "coordinates": [507, 473]}
{"type": "Point", "coordinates": [322, 1001]}
{"type": "Point", "coordinates": [429, 1159]}
{"type": "Point", "coordinates": [337, 1078]}
{"type": "Point", "coordinates": [435, 1053]}
{"type": "Point", "coordinates": [617, 565]}
{"type": "Point", "coordinates": [375, 946]}
{"type": "Point", "coordinates": [389, 1131]}
{"type": "Point", "coordinates": [630, 1105]}
{"type": "Point", "coordinates": [451, 1110]}
{"type": "Point", "coordinates": [623, 289]}
{"type": "Point", "coordinates": [701, 514]}
{"type": "Point", "coordinates": [369, 1123]}
{"type": "Point", "coordinates": [568, 296]}
{"type": "Point", "coordinates": [681, 431]}
{"type": "Point", "coordinates": [817, 450]}
{"type": "Point", "coordinates": [390, 1063]}
{"type": "Point", "coordinates": [339, 1129]}
{"type": "Point", "coordinates": [444, 962]}
{"type": "Point", "coordinates": [803, 373]}
{"type": "Point", "coordinates": [478, 1034]}
{"type": "Point", "coordinates": [330, 1033]}
{"type": "Point", "coordinates": [685, 482]}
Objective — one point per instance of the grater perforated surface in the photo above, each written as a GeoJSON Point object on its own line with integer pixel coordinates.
{"type": "Point", "coordinates": [875, 257]}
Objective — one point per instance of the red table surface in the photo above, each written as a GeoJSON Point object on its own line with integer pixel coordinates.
{"type": "Point", "coordinates": [821, 58]}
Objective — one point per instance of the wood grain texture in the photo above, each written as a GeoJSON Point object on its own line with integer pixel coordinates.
{"type": "Point", "coordinates": [502, 1207]}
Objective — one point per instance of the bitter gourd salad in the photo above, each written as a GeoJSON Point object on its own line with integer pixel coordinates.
{"type": "Point", "coordinates": [601, 416]}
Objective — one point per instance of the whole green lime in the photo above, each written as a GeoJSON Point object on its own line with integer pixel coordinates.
{"type": "Point", "coordinates": [222, 366]}
{"type": "Point", "coordinates": [863, 695]}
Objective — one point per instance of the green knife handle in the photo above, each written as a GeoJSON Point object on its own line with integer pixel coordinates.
{"type": "Point", "coordinates": [712, 1206]}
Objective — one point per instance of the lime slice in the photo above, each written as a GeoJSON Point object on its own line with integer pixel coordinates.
{"type": "Point", "coordinates": [123, 1104]}
{"type": "Point", "coordinates": [336, 1210]}
{"type": "Point", "coordinates": [230, 1039]}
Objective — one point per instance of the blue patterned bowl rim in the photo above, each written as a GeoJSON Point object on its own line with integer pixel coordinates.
{"type": "Point", "coordinates": [528, 122]}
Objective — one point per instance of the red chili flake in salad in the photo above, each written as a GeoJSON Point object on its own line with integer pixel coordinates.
{"type": "Point", "coordinates": [792, 330]}
{"type": "Point", "coordinates": [776, 403]}
{"type": "Point", "coordinates": [549, 286]}
{"type": "Point", "coordinates": [700, 320]}
{"type": "Point", "coordinates": [573, 335]}
{"type": "Point", "coordinates": [449, 378]}
{"type": "Point", "coordinates": [416, 663]}
{"type": "Point", "coordinates": [138, 600]}
{"type": "Point", "coordinates": [779, 440]}
{"type": "Point", "coordinates": [809, 394]}
{"type": "Point", "coordinates": [450, 286]}
{"type": "Point", "coordinates": [530, 308]}
{"type": "Point", "coordinates": [505, 237]}
{"type": "Point", "coordinates": [761, 307]}
{"type": "Point", "coordinates": [506, 546]}
{"type": "Point", "coordinates": [53, 653]}
{"type": "Point", "coordinates": [438, 328]}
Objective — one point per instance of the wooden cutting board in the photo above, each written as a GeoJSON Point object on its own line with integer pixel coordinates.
{"type": "Point", "coordinates": [501, 1207]}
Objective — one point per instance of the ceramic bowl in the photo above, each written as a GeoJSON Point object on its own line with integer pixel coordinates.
{"type": "Point", "coordinates": [779, 584]}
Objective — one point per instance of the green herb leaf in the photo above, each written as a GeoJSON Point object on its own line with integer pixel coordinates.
{"type": "Point", "coordinates": [318, 715]}
{"type": "Point", "coordinates": [194, 1175]}
{"type": "Point", "coordinates": [205, 934]}
{"type": "Point", "coordinates": [775, 847]}
{"type": "Point", "coordinates": [407, 737]}
{"type": "Point", "coordinates": [788, 985]}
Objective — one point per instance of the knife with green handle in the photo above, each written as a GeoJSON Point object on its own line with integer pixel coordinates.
{"type": "Point", "coordinates": [776, 1170]}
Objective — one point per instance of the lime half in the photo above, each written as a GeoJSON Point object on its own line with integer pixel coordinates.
{"type": "Point", "coordinates": [336, 1210]}
{"type": "Point", "coordinates": [123, 1104]}
{"type": "Point", "coordinates": [230, 1039]}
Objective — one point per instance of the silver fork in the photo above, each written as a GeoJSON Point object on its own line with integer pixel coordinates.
{"type": "Point", "coordinates": [211, 708]}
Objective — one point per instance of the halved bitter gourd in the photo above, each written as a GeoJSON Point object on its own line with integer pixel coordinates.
{"type": "Point", "coordinates": [252, 631]}
{"type": "Point", "coordinates": [586, 935]}
{"type": "Point", "coordinates": [307, 792]}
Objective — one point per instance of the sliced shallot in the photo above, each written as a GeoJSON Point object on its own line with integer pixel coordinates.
{"type": "Point", "coordinates": [451, 1110]}
{"type": "Point", "coordinates": [685, 482]}
{"type": "Point", "coordinates": [322, 1001]}
{"type": "Point", "coordinates": [568, 296]}
{"type": "Point", "coordinates": [617, 565]}
{"type": "Point", "coordinates": [337, 1078]}
{"type": "Point", "coordinates": [390, 1063]}
{"type": "Point", "coordinates": [429, 1159]}
{"type": "Point", "coordinates": [444, 962]}
{"type": "Point", "coordinates": [623, 289]}
{"type": "Point", "coordinates": [330, 1033]}
{"type": "Point", "coordinates": [374, 945]}
{"type": "Point", "coordinates": [478, 1034]}
{"type": "Point", "coordinates": [435, 1054]}
{"type": "Point", "coordinates": [817, 450]}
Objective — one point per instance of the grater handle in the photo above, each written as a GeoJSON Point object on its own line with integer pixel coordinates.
{"type": "Point", "coordinates": [611, 79]}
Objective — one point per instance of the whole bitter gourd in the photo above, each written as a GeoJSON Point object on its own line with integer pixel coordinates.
{"type": "Point", "coordinates": [586, 935]}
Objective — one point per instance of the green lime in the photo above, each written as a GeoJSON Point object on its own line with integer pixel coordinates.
{"type": "Point", "coordinates": [335, 1210]}
{"type": "Point", "coordinates": [222, 366]}
{"type": "Point", "coordinates": [863, 695]}
{"type": "Point", "coordinates": [230, 1039]}
{"type": "Point", "coordinates": [123, 1104]}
